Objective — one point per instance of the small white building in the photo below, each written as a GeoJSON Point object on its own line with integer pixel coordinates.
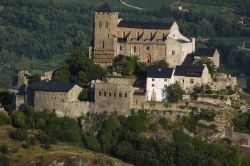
{"type": "Point", "coordinates": [157, 80]}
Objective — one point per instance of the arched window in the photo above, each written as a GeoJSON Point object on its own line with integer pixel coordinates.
{"type": "Point", "coordinates": [110, 94]}
{"type": "Point", "coordinates": [103, 45]}
{"type": "Point", "coordinates": [105, 93]}
{"type": "Point", "coordinates": [120, 94]}
{"type": "Point", "coordinates": [120, 47]}
{"type": "Point", "coordinates": [126, 95]}
{"type": "Point", "coordinates": [100, 24]}
{"type": "Point", "coordinates": [100, 93]}
{"type": "Point", "coordinates": [114, 94]}
{"type": "Point", "coordinates": [107, 24]}
{"type": "Point", "coordinates": [135, 49]}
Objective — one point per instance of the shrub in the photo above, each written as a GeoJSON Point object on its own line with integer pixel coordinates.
{"type": "Point", "coordinates": [153, 127]}
{"type": "Point", "coordinates": [19, 120]}
{"type": "Point", "coordinates": [4, 119]}
{"type": "Point", "coordinates": [19, 134]}
{"type": "Point", "coordinates": [33, 141]}
{"type": "Point", "coordinates": [174, 92]}
{"type": "Point", "coordinates": [41, 123]}
{"type": "Point", "coordinates": [43, 138]}
{"type": "Point", "coordinates": [46, 145]}
{"type": "Point", "coordinates": [163, 122]}
{"type": "Point", "coordinates": [4, 161]}
{"type": "Point", "coordinates": [91, 142]}
{"type": "Point", "coordinates": [83, 96]}
{"type": "Point", "coordinates": [65, 129]}
{"type": "Point", "coordinates": [3, 149]}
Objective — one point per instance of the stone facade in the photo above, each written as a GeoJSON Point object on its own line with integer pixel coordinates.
{"type": "Point", "coordinates": [148, 41]}
{"type": "Point", "coordinates": [114, 94]}
{"type": "Point", "coordinates": [187, 82]}
{"type": "Point", "coordinates": [62, 102]}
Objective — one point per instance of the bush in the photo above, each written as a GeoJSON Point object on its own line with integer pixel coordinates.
{"type": "Point", "coordinates": [65, 129]}
{"type": "Point", "coordinates": [41, 123]}
{"type": "Point", "coordinates": [163, 122]}
{"type": "Point", "coordinates": [4, 161]}
{"type": "Point", "coordinates": [3, 149]}
{"type": "Point", "coordinates": [174, 92]}
{"type": "Point", "coordinates": [201, 89]}
{"type": "Point", "coordinates": [242, 123]}
{"type": "Point", "coordinates": [33, 141]}
{"type": "Point", "coordinates": [43, 138]}
{"type": "Point", "coordinates": [46, 145]}
{"type": "Point", "coordinates": [83, 96]}
{"type": "Point", "coordinates": [19, 134]}
{"type": "Point", "coordinates": [153, 127]}
{"type": "Point", "coordinates": [91, 143]}
{"type": "Point", "coordinates": [4, 119]}
{"type": "Point", "coordinates": [19, 120]}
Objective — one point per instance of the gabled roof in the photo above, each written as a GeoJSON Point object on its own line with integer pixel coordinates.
{"type": "Point", "coordinates": [51, 86]}
{"type": "Point", "coordinates": [189, 60]}
{"type": "Point", "coordinates": [144, 25]}
{"type": "Point", "coordinates": [209, 52]}
{"type": "Point", "coordinates": [189, 71]}
{"type": "Point", "coordinates": [156, 72]}
{"type": "Point", "coordinates": [106, 8]}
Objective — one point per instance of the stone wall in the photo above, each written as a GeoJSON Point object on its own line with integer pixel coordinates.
{"type": "Point", "coordinates": [77, 109]}
{"type": "Point", "coordinates": [113, 95]}
{"type": "Point", "coordinates": [241, 139]}
{"type": "Point", "coordinates": [223, 80]}
{"type": "Point", "coordinates": [188, 83]}
{"type": "Point", "coordinates": [214, 101]}
{"type": "Point", "coordinates": [63, 103]}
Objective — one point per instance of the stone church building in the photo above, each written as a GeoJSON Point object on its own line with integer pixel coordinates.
{"type": "Point", "coordinates": [148, 41]}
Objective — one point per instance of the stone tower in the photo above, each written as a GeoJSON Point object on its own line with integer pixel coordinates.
{"type": "Point", "coordinates": [105, 37]}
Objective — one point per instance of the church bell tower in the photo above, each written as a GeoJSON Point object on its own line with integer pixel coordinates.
{"type": "Point", "coordinates": [106, 20]}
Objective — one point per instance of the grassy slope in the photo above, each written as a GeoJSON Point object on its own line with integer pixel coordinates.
{"type": "Point", "coordinates": [56, 152]}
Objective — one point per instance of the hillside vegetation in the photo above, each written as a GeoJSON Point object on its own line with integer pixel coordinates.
{"type": "Point", "coordinates": [139, 139]}
{"type": "Point", "coordinates": [18, 155]}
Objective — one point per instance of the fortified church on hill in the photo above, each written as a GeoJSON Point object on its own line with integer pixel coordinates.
{"type": "Point", "coordinates": [147, 40]}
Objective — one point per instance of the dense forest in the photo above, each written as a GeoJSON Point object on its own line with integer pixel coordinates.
{"type": "Point", "coordinates": [36, 35]}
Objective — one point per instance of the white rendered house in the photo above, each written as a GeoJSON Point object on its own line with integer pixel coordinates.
{"type": "Point", "coordinates": [157, 80]}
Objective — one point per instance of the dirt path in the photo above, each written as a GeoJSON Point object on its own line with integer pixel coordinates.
{"type": "Point", "coordinates": [131, 6]}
